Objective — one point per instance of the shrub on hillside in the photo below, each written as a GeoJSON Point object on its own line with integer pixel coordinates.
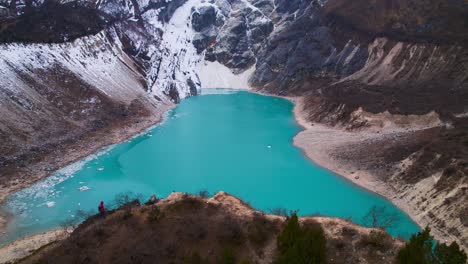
{"type": "Point", "coordinates": [259, 232]}
{"type": "Point", "coordinates": [154, 214]}
{"type": "Point", "coordinates": [196, 259]}
{"type": "Point", "coordinates": [187, 204]}
{"type": "Point", "coordinates": [380, 217]}
{"type": "Point", "coordinates": [72, 222]}
{"type": "Point", "coordinates": [126, 201]}
{"type": "Point", "coordinates": [420, 250]}
{"type": "Point", "coordinates": [227, 256]}
{"type": "Point", "coordinates": [299, 245]}
{"type": "Point", "coordinates": [232, 234]}
{"type": "Point", "coordinates": [451, 254]}
{"type": "Point", "coordinates": [376, 239]}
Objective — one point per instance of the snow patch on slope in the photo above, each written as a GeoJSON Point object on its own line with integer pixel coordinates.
{"type": "Point", "coordinates": [179, 57]}
{"type": "Point", "coordinates": [216, 75]}
{"type": "Point", "coordinates": [180, 64]}
{"type": "Point", "coordinates": [94, 59]}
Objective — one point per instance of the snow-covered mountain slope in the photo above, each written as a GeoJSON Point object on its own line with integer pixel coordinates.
{"type": "Point", "coordinates": [53, 93]}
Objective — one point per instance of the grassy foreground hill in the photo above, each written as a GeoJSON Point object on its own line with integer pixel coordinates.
{"type": "Point", "coordinates": [222, 229]}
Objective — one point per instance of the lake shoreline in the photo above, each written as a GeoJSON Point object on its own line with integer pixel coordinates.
{"type": "Point", "coordinates": [80, 150]}
{"type": "Point", "coordinates": [360, 179]}
{"type": "Point", "coordinates": [323, 157]}
{"type": "Point", "coordinates": [25, 247]}
{"type": "Point", "coordinates": [321, 153]}
{"type": "Point", "coordinates": [320, 158]}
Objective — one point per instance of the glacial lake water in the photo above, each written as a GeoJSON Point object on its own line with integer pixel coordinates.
{"type": "Point", "coordinates": [234, 141]}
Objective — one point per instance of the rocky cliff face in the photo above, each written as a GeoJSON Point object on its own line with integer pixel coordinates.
{"type": "Point", "coordinates": [357, 64]}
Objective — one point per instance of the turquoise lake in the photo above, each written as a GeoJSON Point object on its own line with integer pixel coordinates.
{"type": "Point", "coordinates": [236, 141]}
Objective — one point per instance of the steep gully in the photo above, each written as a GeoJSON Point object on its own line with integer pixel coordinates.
{"type": "Point", "coordinates": [401, 98]}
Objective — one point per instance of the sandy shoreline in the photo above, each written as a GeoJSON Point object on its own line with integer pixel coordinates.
{"type": "Point", "coordinates": [308, 141]}
{"type": "Point", "coordinates": [320, 143]}
{"type": "Point", "coordinates": [315, 149]}
{"type": "Point", "coordinates": [24, 247]}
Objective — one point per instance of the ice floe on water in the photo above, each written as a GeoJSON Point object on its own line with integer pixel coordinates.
{"type": "Point", "coordinates": [179, 115]}
{"type": "Point", "coordinates": [44, 190]}
{"type": "Point", "coordinates": [83, 188]}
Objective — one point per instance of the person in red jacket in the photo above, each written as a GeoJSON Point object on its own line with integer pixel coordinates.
{"type": "Point", "coordinates": [102, 209]}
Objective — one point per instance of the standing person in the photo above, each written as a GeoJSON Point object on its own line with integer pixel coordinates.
{"type": "Point", "coordinates": [102, 209]}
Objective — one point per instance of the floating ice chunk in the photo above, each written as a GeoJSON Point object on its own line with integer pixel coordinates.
{"type": "Point", "coordinates": [81, 182]}
{"type": "Point", "coordinates": [269, 146]}
{"type": "Point", "coordinates": [100, 169]}
{"type": "Point", "coordinates": [50, 204]}
{"type": "Point", "coordinates": [83, 188]}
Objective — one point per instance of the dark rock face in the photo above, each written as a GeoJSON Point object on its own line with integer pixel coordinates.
{"type": "Point", "coordinates": [434, 21]}
{"type": "Point", "coordinates": [232, 48]}
{"type": "Point", "coordinates": [52, 23]}
{"type": "Point", "coordinates": [204, 39]}
{"type": "Point", "coordinates": [240, 36]}
{"type": "Point", "coordinates": [174, 94]}
{"type": "Point", "coordinates": [193, 87]}
{"type": "Point", "coordinates": [303, 48]}
{"type": "Point", "coordinates": [203, 17]}
{"type": "Point", "coordinates": [205, 22]}
{"type": "Point", "coordinates": [291, 6]}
